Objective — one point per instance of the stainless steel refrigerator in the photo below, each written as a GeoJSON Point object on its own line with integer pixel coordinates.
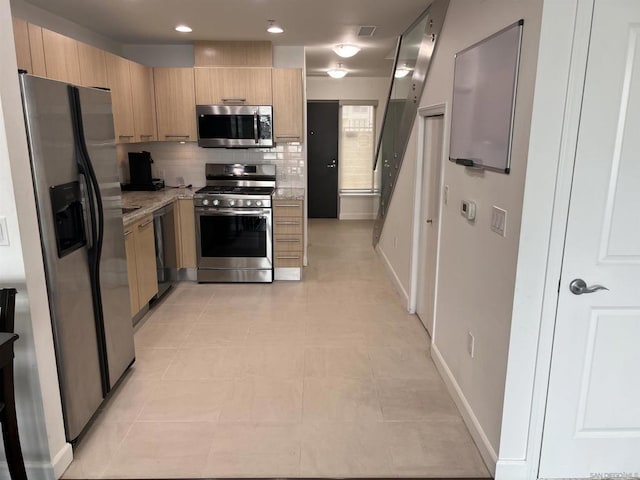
{"type": "Point", "coordinates": [75, 177]}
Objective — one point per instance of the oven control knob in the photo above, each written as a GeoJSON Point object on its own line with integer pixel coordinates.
{"type": "Point", "coordinates": [258, 203]}
{"type": "Point", "coordinates": [232, 203]}
{"type": "Point", "coordinates": [216, 202]}
{"type": "Point", "coordinates": [206, 202]}
{"type": "Point", "coordinates": [248, 203]}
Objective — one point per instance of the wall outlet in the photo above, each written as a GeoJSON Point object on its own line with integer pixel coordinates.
{"type": "Point", "coordinates": [499, 220]}
{"type": "Point", "coordinates": [471, 344]}
{"type": "Point", "coordinates": [4, 233]}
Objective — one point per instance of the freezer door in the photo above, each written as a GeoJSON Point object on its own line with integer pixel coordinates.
{"type": "Point", "coordinates": [53, 162]}
{"type": "Point", "coordinates": [99, 136]}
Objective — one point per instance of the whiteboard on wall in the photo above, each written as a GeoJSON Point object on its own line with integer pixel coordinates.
{"type": "Point", "coordinates": [484, 94]}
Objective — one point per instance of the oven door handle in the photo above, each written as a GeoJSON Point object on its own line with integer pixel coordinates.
{"type": "Point", "coordinates": [231, 213]}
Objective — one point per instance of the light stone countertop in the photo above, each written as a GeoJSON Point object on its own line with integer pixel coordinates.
{"type": "Point", "coordinates": [289, 194]}
{"type": "Point", "coordinates": [150, 201]}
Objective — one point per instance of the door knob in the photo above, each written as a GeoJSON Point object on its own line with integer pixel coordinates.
{"type": "Point", "coordinates": [429, 220]}
{"type": "Point", "coordinates": [579, 286]}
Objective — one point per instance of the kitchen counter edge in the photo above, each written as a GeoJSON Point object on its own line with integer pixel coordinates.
{"type": "Point", "coordinates": [149, 202]}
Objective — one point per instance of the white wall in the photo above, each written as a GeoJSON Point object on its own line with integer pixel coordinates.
{"type": "Point", "coordinates": [358, 206]}
{"type": "Point", "coordinates": [397, 236]}
{"type": "Point", "coordinates": [39, 409]}
{"type": "Point", "coordinates": [160, 55]}
{"type": "Point", "coordinates": [38, 16]}
{"type": "Point", "coordinates": [183, 55]}
{"type": "Point", "coordinates": [477, 267]}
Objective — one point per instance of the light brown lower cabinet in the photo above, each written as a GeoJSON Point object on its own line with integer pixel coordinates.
{"type": "Point", "coordinates": [186, 233]}
{"type": "Point", "coordinates": [141, 262]}
{"type": "Point", "coordinates": [132, 269]}
{"type": "Point", "coordinates": [288, 239]}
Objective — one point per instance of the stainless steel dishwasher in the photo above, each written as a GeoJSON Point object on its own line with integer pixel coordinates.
{"type": "Point", "coordinates": [166, 256]}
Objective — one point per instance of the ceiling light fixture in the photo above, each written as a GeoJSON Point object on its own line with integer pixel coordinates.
{"type": "Point", "coordinates": [346, 51]}
{"type": "Point", "coordinates": [402, 72]}
{"type": "Point", "coordinates": [338, 72]}
{"type": "Point", "coordinates": [274, 27]}
{"type": "Point", "coordinates": [184, 29]}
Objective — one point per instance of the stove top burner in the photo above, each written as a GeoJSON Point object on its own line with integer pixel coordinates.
{"type": "Point", "coordinates": [236, 190]}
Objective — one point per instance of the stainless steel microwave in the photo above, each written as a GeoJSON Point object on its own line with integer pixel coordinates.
{"type": "Point", "coordinates": [235, 126]}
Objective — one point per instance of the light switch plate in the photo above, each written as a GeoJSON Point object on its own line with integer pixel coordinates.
{"type": "Point", "coordinates": [499, 220]}
{"type": "Point", "coordinates": [4, 233]}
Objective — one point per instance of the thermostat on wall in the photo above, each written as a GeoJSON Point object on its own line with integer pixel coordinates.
{"type": "Point", "coordinates": [468, 210]}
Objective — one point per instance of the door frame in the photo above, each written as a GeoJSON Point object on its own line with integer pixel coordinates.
{"type": "Point", "coordinates": [436, 110]}
{"type": "Point", "coordinates": [561, 69]}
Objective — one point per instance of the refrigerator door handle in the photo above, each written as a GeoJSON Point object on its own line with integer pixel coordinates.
{"type": "Point", "coordinates": [86, 209]}
{"type": "Point", "coordinates": [97, 224]}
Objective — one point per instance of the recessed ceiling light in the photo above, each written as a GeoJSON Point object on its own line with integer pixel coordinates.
{"type": "Point", "coordinates": [184, 29]}
{"type": "Point", "coordinates": [274, 27]}
{"type": "Point", "coordinates": [338, 72]}
{"type": "Point", "coordinates": [346, 51]}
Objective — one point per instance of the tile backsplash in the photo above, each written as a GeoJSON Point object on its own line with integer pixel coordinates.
{"type": "Point", "coordinates": [172, 160]}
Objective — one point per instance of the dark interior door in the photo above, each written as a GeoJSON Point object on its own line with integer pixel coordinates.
{"type": "Point", "coordinates": [322, 122]}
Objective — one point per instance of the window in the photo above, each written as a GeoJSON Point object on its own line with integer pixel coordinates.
{"type": "Point", "coordinates": [357, 143]}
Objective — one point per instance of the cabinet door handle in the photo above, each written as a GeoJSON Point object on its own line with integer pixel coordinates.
{"type": "Point", "coordinates": [287, 223]}
{"type": "Point", "coordinates": [126, 136]}
{"type": "Point", "coordinates": [145, 224]}
{"type": "Point", "coordinates": [127, 233]}
{"type": "Point", "coordinates": [287, 240]}
{"type": "Point", "coordinates": [287, 257]}
{"type": "Point", "coordinates": [234, 100]}
{"type": "Point", "coordinates": [284, 205]}
{"type": "Point", "coordinates": [177, 136]}
{"type": "Point", "coordinates": [146, 135]}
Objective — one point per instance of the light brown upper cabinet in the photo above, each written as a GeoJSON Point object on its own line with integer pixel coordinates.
{"type": "Point", "coordinates": [233, 54]}
{"type": "Point", "coordinates": [36, 44]}
{"type": "Point", "coordinates": [144, 111]}
{"type": "Point", "coordinates": [21, 39]}
{"type": "Point", "coordinates": [287, 104]}
{"type": "Point", "coordinates": [121, 97]}
{"type": "Point", "coordinates": [175, 104]}
{"type": "Point", "coordinates": [93, 66]}
{"type": "Point", "coordinates": [233, 86]}
{"type": "Point", "coordinates": [61, 57]}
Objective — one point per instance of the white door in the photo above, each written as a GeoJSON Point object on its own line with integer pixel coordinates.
{"type": "Point", "coordinates": [429, 219]}
{"type": "Point", "coordinates": [592, 424]}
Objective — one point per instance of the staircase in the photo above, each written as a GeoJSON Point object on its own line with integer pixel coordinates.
{"type": "Point", "coordinates": [414, 54]}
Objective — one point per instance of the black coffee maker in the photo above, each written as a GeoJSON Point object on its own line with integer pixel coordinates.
{"type": "Point", "coordinates": [140, 177]}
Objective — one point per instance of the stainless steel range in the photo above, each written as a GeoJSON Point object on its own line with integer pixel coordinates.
{"type": "Point", "coordinates": [234, 223]}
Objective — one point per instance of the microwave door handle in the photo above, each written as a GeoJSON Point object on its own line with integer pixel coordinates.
{"type": "Point", "coordinates": [255, 127]}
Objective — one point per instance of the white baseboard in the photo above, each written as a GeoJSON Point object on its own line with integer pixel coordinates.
{"type": "Point", "coordinates": [45, 470]}
{"type": "Point", "coordinates": [396, 280]}
{"type": "Point", "coordinates": [477, 433]}
{"type": "Point", "coordinates": [514, 470]}
{"type": "Point", "coordinates": [358, 216]}
{"type": "Point", "coordinates": [62, 460]}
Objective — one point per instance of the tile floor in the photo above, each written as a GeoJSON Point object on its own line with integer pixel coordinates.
{"type": "Point", "coordinates": [325, 377]}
